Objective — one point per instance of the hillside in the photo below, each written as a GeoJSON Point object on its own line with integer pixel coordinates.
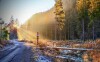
{"type": "Point", "coordinates": [43, 21]}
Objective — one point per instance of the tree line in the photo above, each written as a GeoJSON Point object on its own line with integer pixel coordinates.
{"type": "Point", "coordinates": [82, 21]}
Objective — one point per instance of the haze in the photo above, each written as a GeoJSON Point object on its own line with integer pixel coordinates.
{"type": "Point", "coordinates": [23, 9]}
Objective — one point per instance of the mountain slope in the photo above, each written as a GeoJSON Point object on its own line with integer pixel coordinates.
{"type": "Point", "coordinates": [43, 21]}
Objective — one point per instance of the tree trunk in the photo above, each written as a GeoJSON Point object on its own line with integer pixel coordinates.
{"type": "Point", "coordinates": [83, 30]}
{"type": "Point", "coordinates": [60, 34]}
{"type": "Point", "coordinates": [55, 33]}
{"type": "Point", "coordinates": [93, 30]}
{"type": "Point", "coordinates": [68, 30]}
{"type": "Point", "coordinates": [65, 34]}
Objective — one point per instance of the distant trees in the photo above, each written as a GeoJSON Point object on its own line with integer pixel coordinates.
{"type": "Point", "coordinates": [3, 31]}
{"type": "Point", "coordinates": [88, 12]}
{"type": "Point", "coordinates": [82, 21]}
{"type": "Point", "coordinates": [13, 25]}
{"type": "Point", "coordinates": [82, 7]}
{"type": "Point", "coordinates": [94, 14]}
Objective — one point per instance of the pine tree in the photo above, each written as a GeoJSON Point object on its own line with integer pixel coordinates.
{"type": "Point", "coordinates": [60, 17]}
{"type": "Point", "coordinates": [60, 14]}
{"type": "Point", "coordinates": [82, 8]}
{"type": "Point", "coordinates": [94, 13]}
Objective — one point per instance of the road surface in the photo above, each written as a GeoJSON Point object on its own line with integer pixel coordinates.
{"type": "Point", "coordinates": [16, 53]}
{"type": "Point", "coordinates": [22, 52]}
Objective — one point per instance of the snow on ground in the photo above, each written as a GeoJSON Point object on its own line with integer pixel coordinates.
{"type": "Point", "coordinates": [39, 57]}
{"type": "Point", "coordinates": [43, 59]}
{"type": "Point", "coordinates": [76, 59]}
{"type": "Point", "coordinates": [16, 42]}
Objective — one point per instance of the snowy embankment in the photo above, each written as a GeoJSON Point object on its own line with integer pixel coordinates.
{"type": "Point", "coordinates": [42, 58]}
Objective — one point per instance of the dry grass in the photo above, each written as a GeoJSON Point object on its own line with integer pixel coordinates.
{"type": "Point", "coordinates": [94, 55]}
{"type": "Point", "coordinates": [3, 43]}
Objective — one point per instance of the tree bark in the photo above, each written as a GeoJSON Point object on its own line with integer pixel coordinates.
{"type": "Point", "coordinates": [93, 30]}
{"type": "Point", "coordinates": [83, 30]}
{"type": "Point", "coordinates": [55, 33]}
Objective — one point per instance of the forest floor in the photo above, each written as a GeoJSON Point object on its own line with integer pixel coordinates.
{"type": "Point", "coordinates": [49, 51]}
{"type": "Point", "coordinates": [43, 52]}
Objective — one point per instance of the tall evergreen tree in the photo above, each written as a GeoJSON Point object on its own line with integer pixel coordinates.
{"type": "Point", "coordinates": [60, 15]}
{"type": "Point", "coordinates": [94, 14]}
{"type": "Point", "coordinates": [82, 7]}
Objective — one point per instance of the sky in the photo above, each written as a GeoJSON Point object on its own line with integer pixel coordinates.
{"type": "Point", "coordinates": [23, 9]}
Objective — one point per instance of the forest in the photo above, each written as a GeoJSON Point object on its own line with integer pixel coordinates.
{"type": "Point", "coordinates": [79, 20]}
{"type": "Point", "coordinates": [67, 32]}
